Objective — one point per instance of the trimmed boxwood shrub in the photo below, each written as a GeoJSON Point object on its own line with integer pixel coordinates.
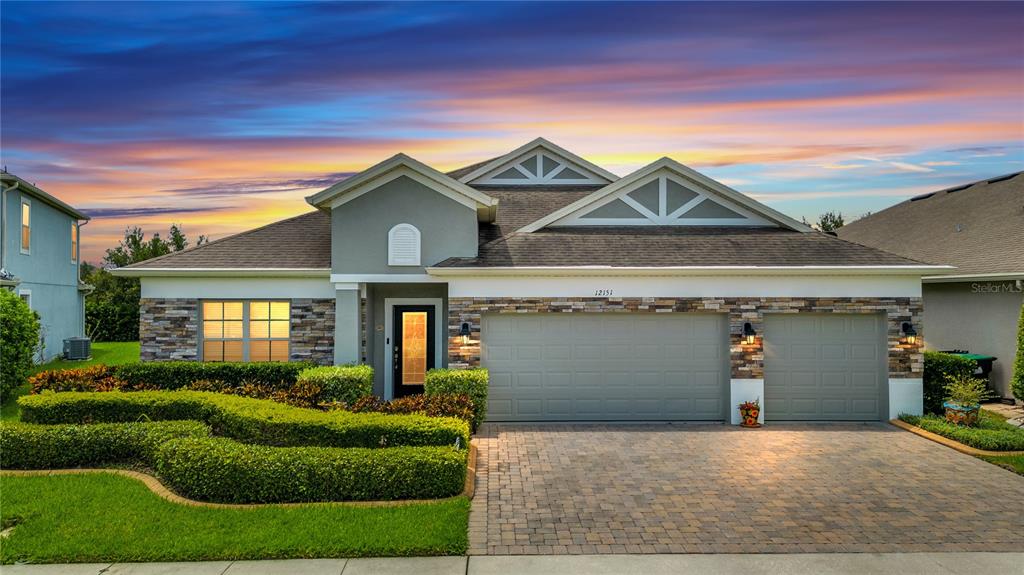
{"type": "Point", "coordinates": [245, 419]}
{"type": "Point", "coordinates": [938, 368]}
{"type": "Point", "coordinates": [1017, 381]}
{"type": "Point", "coordinates": [990, 434]}
{"type": "Point", "coordinates": [19, 335]}
{"type": "Point", "coordinates": [446, 405]}
{"type": "Point", "coordinates": [222, 470]}
{"type": "Point", "coordinates": [179, 374]}
{"type": "Point", "coordinates": [342, 384]}
{"type": "Point", "coordinates": [26, 446]}
{"type": "Point", "coordinates": [471, 382]}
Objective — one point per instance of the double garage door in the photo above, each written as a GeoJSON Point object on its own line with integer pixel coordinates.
{"type": "Point", "coordinates": [675, 366]}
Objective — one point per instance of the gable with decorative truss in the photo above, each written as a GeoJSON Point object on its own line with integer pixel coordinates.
{"type": "Point", "coordinates": [538, 163]}
{"type": "Point", "coordinates": [663, 199]}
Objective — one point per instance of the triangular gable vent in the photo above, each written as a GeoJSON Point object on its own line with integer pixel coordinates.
{"type": "Point", "coordinates": [663, 199]}
{"type": "Point", "coordinates": [538, 163]}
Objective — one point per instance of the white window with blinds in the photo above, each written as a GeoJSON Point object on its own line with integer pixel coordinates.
{"type": "Point", "coordinates": [246, 330]}
{"type": "Point", "coordinates": [404, 245]}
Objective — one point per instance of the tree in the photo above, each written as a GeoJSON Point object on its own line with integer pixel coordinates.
{"type": "Point", "coordinates": [19, 336]}
{"type": "Point", "coordinates": [112, 309]}
{"type": "Point", "coordinates": [1017, 383]}
{"type": "Point", "coordinates": [827, 222]}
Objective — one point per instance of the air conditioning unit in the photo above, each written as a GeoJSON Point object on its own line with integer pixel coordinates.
{"type": "Point", "coordinates": [77, 348]}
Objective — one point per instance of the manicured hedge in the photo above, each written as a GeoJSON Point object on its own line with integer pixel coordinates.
{"type": "Point", "coordinates": [938, 367]}
{"type": "Point", "coordinates": [248, 420]}
{"type": "Point", "coordinates": [341, 384]}
{"type": "Point", "coordinates": [471, 382]}
{"type": "Point", "coordinates": [179, 374]}
{"type": "Point", "coordinates": [1017, 380]}
{"type": "Point", "coordinates": [222, 470]}
{"type": "Point", "coordinates": [19, 336]}
{"type": "Point", "coordinates": [446, 405]}
{"type": "Point", "coordinates": [26, 446]}
{"type": "Point", "coordinates": [990, 434]}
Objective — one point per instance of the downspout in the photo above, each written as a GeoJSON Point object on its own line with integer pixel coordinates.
{"type": "Point", "coordinates": [78, 271]}
{"type": "Point", "coordinates": [3, 225]}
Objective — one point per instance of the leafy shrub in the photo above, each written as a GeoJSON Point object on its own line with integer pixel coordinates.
{"type": "Point", "coordinates": [246, 419]}
{"type": "Point", "coordinates": [94, 378]}
{"type": "Point", "coordinates": [344, 384]}
{"type": "Point", "coordinates": [471, 382]}
{"type": "Point", "coordinates": [217, 469]}
{"type": "Point", "coordinates": [938, 368]}
{"type": "Point", "coordinates": [180, 374]}
{"type": "Point", "coordinates": [1017, 382]}
{"type": "Point", "coordinates": [25, 446]}
{"type": "Point", "coordinates": [19, 334]}
{"type": "Point", "coordinates": [991, 434]}
{"type": "Point", "coordinates": [446, 405]}
{"type": "Point", "coordinates": [966, 390]}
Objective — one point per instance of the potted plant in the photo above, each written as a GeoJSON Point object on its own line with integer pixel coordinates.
{"type": "Point", "coordinates": [964, 395]}
{"type": "Point", "coordinates": [749, 411]}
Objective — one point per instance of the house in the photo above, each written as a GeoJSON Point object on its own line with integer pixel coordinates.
{"type": "Point", "coordinates": [39, 259]}
{"type": "Point", "coordinates": [979, 229]}
{"type": "Point", "coordinates": [661, 295]}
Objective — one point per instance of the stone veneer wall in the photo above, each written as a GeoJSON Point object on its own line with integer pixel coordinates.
{"type": "Point", "coordinates": [905, 360]}
{"type": "Point", "coordinates": [169, 330]}
{"type": "Point", "coordinates": [312, 331]}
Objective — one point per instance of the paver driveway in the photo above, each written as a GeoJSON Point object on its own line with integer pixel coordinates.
{"type": "Point", "coordinates": [721, 489]}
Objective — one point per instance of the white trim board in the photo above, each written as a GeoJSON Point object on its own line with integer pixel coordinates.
{"type": "Point", "coordinates": [700, 286]}
{"type": "Point", "coordinates": [222, 272]}
{"type": "Point", "coordinates": [787, 271]}
{"type": "Point", "coordinates": [538, 177]}
{"type": "Point", "coordinates": [386, 278]}
{"type": "Point", "coordinates": [237, 288]}
{"type": "Point", "coordinates": [440, 341]}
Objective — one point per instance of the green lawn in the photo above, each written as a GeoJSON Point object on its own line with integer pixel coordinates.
{"type": "Point", "coordinates": [106, 518]}
{"type": "Point", "coordinates": [110, 353]}
{"type": "Point", "coordinates": [992, 433]}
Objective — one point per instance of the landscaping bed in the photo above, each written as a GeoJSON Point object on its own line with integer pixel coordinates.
{"type": "Point", "coordinates": [99, 517]}
{"type": "Point", "coordinates": [992, 432]}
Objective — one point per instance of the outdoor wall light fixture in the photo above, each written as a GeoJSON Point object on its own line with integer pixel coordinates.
{"type": "Point", "coordinates": [464, 332]}
{"type": "Point", "coordinates": [749, 334]}
{"type": "Point", "coordinates": [910, 333]}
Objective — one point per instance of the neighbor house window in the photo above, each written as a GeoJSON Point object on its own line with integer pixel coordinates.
{"type": "Point", "coordinates": [26, 296]}
{"type": "Point", "coordinates": [246, 330]}
{"type": "Point", "coordinates": [74, 242]}
{"type": "Point", "coordinates": [26, 226]}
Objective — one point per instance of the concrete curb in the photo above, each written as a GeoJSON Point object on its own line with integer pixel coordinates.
{"type": "Point", "coordinates": [162, 491]}
{"type": "Point", "coordinates": [950, 442]}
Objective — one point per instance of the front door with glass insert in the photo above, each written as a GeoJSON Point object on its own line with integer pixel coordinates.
{"type": "Point", "coordinates": [413, 349]}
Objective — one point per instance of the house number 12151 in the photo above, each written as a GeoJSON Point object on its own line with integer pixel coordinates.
{"type": "Point", "coordinates": [604, 292]}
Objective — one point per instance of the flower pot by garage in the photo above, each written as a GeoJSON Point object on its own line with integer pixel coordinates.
{"type": "Point", "coordinates": [748, 417]}
{"type": "Point", "coordinates": [962, 414]}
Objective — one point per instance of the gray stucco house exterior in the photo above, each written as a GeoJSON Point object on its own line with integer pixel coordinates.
{"type": "Point", "coordinates": [979, 229]}
{"type": "Point", "coordinates": [39, 259]}
{"type": "Point", "coordinates": [660, 295]}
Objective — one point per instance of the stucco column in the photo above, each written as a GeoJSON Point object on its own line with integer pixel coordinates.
{"type": "Point", "coordinates": [347, 331]}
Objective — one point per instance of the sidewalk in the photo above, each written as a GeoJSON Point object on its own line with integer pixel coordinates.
{"type": "Point", "coordinates": [807, 564]}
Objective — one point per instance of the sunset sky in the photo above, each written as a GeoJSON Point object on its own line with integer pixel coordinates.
{"type": "Point", "coordinates": [223, 116]}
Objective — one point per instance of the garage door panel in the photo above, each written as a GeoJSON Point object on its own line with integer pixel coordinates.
{"type": "Point", "coordinates": [620, 366]}
{"type": "Point", "coordinates": [824, 367]}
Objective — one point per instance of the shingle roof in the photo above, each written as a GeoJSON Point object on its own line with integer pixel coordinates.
{"type": "Point", "coordinates": [302, 242]}
{"type": "Point", "coordinates": [663, 246]}
{"type": "Point", "coordinates": [979, 228]}
{"type": "Point", "coordinates": [521, 205]}
{"type": "Point", "coordinates": [459, 172]}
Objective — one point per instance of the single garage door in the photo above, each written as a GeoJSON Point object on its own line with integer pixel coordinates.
{"type": "Point", "coordinates": [825, 367]}
{"type": "Point", "coordinates": [606, 366]}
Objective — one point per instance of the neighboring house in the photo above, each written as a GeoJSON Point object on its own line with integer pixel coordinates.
{"type": "Point", "coordinates": [979, 228]}
{"type": "Point", "coordinates": [39, 259]}
{"type": "Point", "coordinates": [661, 295]}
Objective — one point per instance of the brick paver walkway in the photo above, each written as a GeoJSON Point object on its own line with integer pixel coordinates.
{"type": "Point", "coordinates": [582, 489]}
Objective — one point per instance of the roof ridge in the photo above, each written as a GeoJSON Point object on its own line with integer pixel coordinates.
{"type": "Point", "coordinates": [217, 241]}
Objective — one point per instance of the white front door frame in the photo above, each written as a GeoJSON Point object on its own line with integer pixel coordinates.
{"type": "Point", "coordinates": [440, 341]}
